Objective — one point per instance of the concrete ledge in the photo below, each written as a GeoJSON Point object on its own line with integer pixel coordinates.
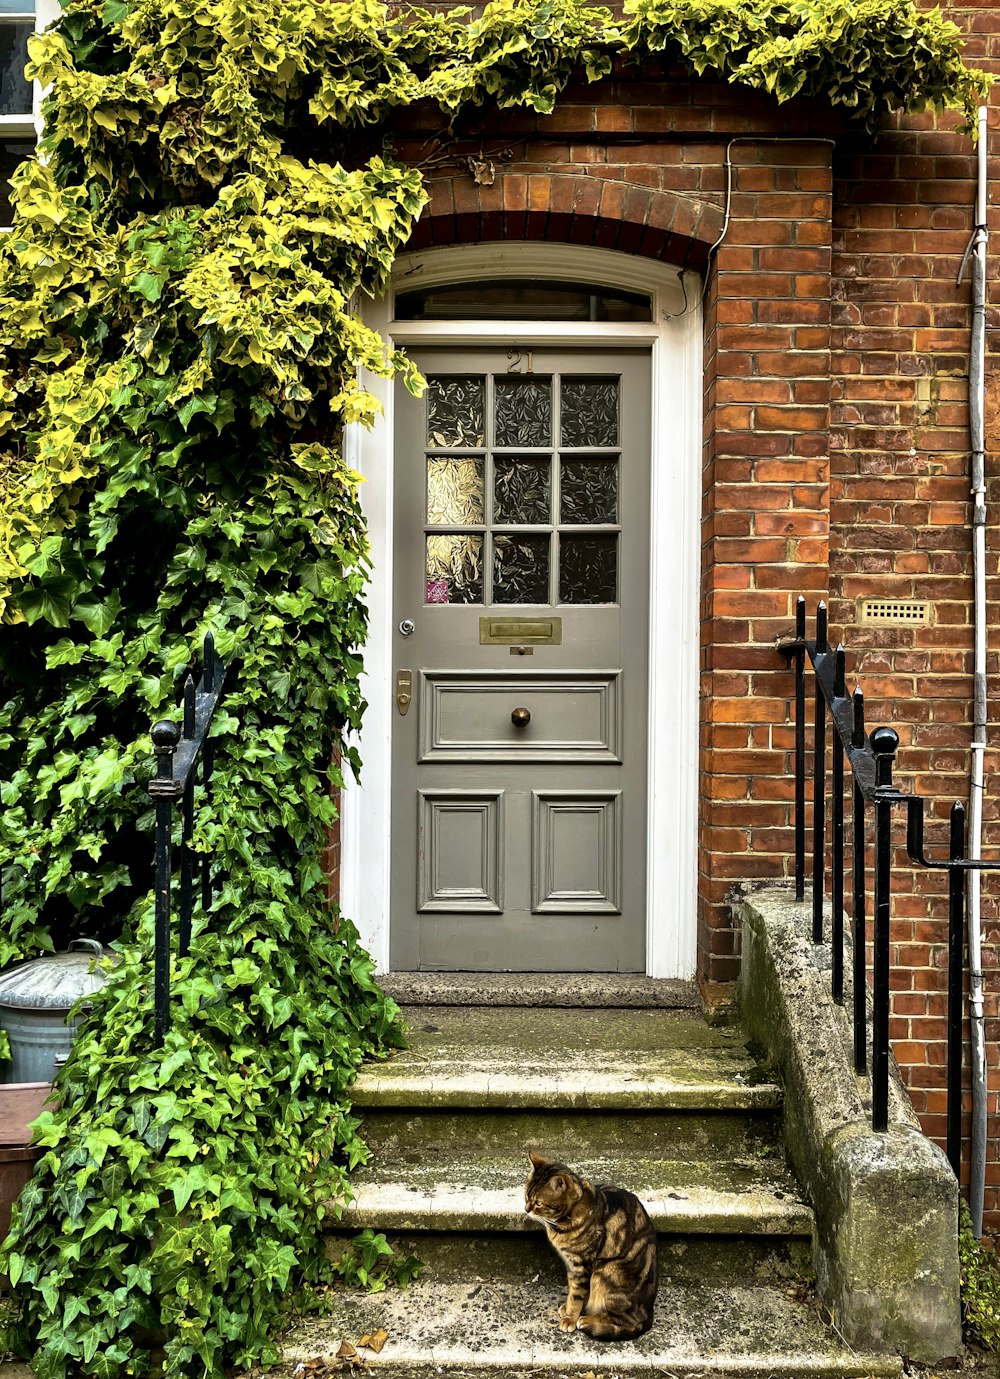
{"type": "Point", "coordinates": [886, 1248]}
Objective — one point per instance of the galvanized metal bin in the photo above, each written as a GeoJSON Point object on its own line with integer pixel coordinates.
{"type": "Point", "coordinates": [35, 999]}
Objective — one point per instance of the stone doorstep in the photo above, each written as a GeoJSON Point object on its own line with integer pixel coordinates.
{"type": "Point", "coordinates": [489, 1328]}
{"type": "Point", "coordinates": [575, 990]}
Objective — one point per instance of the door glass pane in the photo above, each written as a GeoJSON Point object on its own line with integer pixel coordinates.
{"type": "Point", "coordinates": [454, 489]}
{"type": "Point", "coordinates": [589, 411]}
{"type": "Point", "coordinates": [15, 91]}
{"type": "Point", "coordinates": [517, 300]}
{"type": "Point", "coordinates": [588, 569]}
{"type": "Point", "coordinates": [454, 569]}
{"type": "Point", "coordinates": [521, 569]}
{"type": "Point", "coordinates": [11, 156]}
{"type": "Point", "coordinates": [520, 489]}
{"type": "Point", "coordinates": [588, 489]}
{"type": "Point", "coordinates": [523, 411]}
{"type": "Point", "coordinates": [455, 411]}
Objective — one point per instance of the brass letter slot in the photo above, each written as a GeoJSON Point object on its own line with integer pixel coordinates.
{"type": "Point", "coordinates": [503, 631]}
{"type": "Point", "coordinates": [404, 690]}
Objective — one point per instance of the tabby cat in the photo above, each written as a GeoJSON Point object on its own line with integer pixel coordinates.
{"type": "Point", "coordinates": [608, 1245]}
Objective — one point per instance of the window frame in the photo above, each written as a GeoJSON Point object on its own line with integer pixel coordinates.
{"type": "Point", "coordinates": [27, 126]}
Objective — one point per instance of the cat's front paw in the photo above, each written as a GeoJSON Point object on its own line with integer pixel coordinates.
{"type": "Point", "coordinates": [567, 1319]}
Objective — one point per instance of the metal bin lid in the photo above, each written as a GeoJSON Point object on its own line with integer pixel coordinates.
{"type": "Point", "coordinates": [55, 981]}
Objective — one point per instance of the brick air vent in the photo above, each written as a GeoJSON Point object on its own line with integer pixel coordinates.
{"type": "Point", "coordinates": [894, 613]}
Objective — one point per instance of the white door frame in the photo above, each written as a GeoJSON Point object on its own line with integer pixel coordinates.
{"type": "Point", "coordinates": [674, 338]}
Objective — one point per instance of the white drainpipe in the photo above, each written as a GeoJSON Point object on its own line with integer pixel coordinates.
{"type": "Point", "coordinates": [977, 252]}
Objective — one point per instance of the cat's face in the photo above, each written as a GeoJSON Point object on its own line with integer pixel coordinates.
{"type": "Point", "coordinates": [552, 1189]}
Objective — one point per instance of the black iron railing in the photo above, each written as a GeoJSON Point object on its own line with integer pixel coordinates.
{"type": "Point", "coordinates": [177, 748]}
{"type": "Point", "coordinates": [871, 757]}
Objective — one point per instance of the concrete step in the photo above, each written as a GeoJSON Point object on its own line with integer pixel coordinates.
{"type": "Point", "coordinates": [411, 1135]}
{"type": "Point", "coordinates": [720, 1260]}
{"type": "Point", "coordinates": [554, 1059]}
{"type": "Point", "coordinates": [452, 1190]}
{"type": "Point", "coordinates": [484, 1327]}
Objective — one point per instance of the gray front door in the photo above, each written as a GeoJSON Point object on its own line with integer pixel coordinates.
{"type": "Point", "coordinates": [520, 662]}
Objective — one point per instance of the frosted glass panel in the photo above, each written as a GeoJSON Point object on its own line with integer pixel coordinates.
{"type": "Point", "coordinates": [588, 569]}
{"type": "Point", "coordinates": [589, 411]}
{"type": "Point", "coordinates": [454, 569]}
{"type": "Point", "coordinates": [521, 489]}
{"type": "Point", "coordinates": [521, 569]}
{"type": "Point", "coordinates": [455, 411]}
{"type": "Point", "coordinates": [454, 489]}
{"type": "Point", "coordinates": [589, 489]}
{"type": "Point", "coordinates": [523, 411]}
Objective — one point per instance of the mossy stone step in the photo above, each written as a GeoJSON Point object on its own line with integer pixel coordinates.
{"type": "Point", "coordinates": [557, 1059]}
{"type": "Point", "coordinates": [409, 1135]}
{"type": "Point", "coordinates": [517, 1256]}
{"type": "Point", "coordinates": [451, 1191]}
{"type": "Point", "coordinates": [485, 1327]}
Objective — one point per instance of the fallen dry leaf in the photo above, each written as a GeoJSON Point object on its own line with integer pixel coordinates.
{"type": "Point", "coordinates": [346, 1351]}
{"type": "Point", "coordinates": [374, 1340]}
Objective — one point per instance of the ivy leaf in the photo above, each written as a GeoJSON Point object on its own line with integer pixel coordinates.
{"type": "Point", "coordinates": [101, 1221]}
{"type": "Point", "coordinates": [49, 599]}
{"type": "Point", "coordinates": [149, 286]}
{"type": "Point", "coordinates": [113, 1181]}
{"type": "Point", "coordinates": [99, 617]}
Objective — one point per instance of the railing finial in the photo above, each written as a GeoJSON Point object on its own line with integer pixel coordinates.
{"type": "Point", "coordinates": [885, 743]}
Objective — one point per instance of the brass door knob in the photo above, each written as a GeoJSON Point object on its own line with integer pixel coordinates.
{"type": "Point", "coordinates": [521, 718]}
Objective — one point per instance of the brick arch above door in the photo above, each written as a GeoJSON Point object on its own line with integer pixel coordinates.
{"type": "Point", "coordinates": [570, 208]}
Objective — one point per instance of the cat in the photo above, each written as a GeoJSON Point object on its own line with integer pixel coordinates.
{"type": "Point", "coordinates": [608, 1244]}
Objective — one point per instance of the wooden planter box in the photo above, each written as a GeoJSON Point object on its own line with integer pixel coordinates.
{"type": "Point", "coordinates": [20, 1103]}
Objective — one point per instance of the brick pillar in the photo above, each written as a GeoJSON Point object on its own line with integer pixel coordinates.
{"type": "Point", "coordinates": [766, 511]}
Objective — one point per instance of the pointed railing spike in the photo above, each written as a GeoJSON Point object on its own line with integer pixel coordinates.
{"type": "Point", "coordinates": [189, 707]}
{"type": "Point", "coordinates": [858, 735]}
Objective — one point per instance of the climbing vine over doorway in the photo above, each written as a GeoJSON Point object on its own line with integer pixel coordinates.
{"type": "Point", "coordinates": [180, 351]}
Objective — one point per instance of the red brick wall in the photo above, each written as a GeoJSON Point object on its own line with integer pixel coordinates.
{"type": "Point", "coordinates": [766, 507]}
{"type": "Point", "coordinates": [900, 514]}
{"type": "Point", "coordinates": [835, 455]}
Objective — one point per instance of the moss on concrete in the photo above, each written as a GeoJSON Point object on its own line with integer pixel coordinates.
{"type": "Point", "coordinates": [886, 1204]}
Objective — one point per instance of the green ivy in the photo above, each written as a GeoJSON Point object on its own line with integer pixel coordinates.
{"type": "Point", "coordinates": [180, 350]}
{"type": "Point", "coordinates": [370, 1262]}
{"type": "Point", "coordinates": [980, 1287]}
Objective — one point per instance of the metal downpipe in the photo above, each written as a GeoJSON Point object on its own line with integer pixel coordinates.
{"type": "Point", "coordinates": [977, 400]}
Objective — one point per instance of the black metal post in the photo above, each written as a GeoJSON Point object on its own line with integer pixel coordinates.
{"type": "Point", "coordinates": [956, 929]}
{"type": "Point", "coordinates": [207, 764]}
{"type": "Point", "coordinates": [858, 908]}
{"type": "Point", "coordinates": [800, 750]}
{"type": "Point", "coordinates": [819, 786]}
{"type": "Point", "coordinates": [884, 742]}
{"type": "Point", "coordinates": [837, 880]}
{"type": "Point", "coordinates": [187, 832]}
{"type": "Point", "coordinates": [165, 735]}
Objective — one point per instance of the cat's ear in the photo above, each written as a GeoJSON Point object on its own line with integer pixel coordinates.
{"type": "Point", "coordinates": [536, 1159]}
{"type": "Point", "coordinates": [558, 1183]}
